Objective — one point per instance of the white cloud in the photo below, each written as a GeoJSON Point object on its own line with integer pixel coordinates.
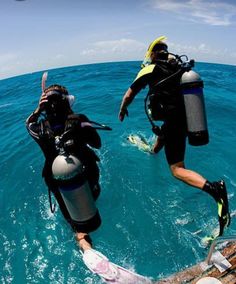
{"type": "Point", "coordinates": [7, 57]}
{"type": "Point", "coordinates": [202, 48]}
{"type": "Point", "coordinates": [209, 12]}
{"type": "Point", "coordinates": [204, 52]}
{"type": "Point", "coordinates": [104, 51]}
{"type": "Point", "coordinates": [115, 48]}
{"type": "Point", "coordinates": [212, 18]}
{"type": "Point", "coordinates": [129, 49]}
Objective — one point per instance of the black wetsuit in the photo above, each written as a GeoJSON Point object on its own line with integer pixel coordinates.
{"type": "Point", "coordinates": [79, 138]}
{"type": "Point", "coordinates": [166, 104]}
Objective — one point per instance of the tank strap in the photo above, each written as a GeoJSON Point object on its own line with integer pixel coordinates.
{"type": "Point", "coordinates": [52, 207]}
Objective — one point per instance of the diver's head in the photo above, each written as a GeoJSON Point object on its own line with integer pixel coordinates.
{"type": "Point", "coordinates": [159, 52]}
{"type": "Point", "coordinates": [58, 104]}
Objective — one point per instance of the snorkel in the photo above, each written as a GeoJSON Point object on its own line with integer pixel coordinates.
{"type": "Point", "coordinates": [147, 59]}
{"type": "Point", "coordinates": [44, 79]}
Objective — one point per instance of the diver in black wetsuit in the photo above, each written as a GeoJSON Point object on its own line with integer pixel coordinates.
{"type": "Point", "coordinates": [52, 118]}
{"type": "Point", "coordinates": [167, 105]}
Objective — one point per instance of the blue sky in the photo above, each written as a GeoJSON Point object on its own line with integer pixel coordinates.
{"type": "Point", "coordinates": [44, 34]}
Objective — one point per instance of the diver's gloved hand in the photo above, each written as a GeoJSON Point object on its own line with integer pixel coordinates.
{"type": "Point", "coordinates": [41, 105]}
{"type": "Point", "coordinates": [123, 112]}
{"type": "Point", "coordinates": [42, 101]}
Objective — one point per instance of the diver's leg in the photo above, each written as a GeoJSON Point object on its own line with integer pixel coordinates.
{"type": "Point", "coordinates": [84, 241]}
{"type": "Point", "coordinates": [159, 144]}
{"type": "Point", "coordinates": [175, 143]}
{"type": "Point", "coordinates": [215, 189]}
{"type": "Point", "coordinates": [190, 177]}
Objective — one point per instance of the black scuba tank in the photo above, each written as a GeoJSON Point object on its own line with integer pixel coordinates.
{"type": "Point", "coordinates": [75, 191]}
{"type": "Point", "coordinates": [192, 89]}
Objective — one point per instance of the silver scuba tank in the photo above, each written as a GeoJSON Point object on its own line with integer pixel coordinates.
{"type": "Point", "coordinates": [75, 191]}
{"type": "Point", "coordinates": [192, 89]}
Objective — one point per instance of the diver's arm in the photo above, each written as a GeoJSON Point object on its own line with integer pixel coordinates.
{"type": "Point", "coordinates": [127, 100]}
{"type": "Point", "coordinates": [35, 115]}
{"type": "Point", "coordinates": [139, 83]}
{"type": "Point", "coordinates": [32, 124]}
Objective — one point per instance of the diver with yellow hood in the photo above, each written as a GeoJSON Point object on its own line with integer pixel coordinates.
{"type": "Point", "coordinates": [175, 94]}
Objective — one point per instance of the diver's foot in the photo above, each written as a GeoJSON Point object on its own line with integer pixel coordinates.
{"type": "Point", "coordinates": [84, 241]}
{"type": "Point", "coordinates": [223, 206]}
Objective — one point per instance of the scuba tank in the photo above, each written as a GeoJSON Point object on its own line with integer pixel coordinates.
{"type": "Point", "coordinates": [75, 190]}
{"type": "Point", "coordinates": [192, 90]}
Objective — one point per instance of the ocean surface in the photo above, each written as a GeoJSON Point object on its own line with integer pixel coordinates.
{"type": "Point", "coordinates": [151, 223]}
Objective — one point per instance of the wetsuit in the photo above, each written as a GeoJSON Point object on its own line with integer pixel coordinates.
{"type": "Point", "coordinates": [79, 138]}
{"type": "Point", "coordinates": [166, 104]}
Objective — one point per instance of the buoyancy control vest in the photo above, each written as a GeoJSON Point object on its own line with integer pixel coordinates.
{"type": "Point", "coordinates": [165, 93]}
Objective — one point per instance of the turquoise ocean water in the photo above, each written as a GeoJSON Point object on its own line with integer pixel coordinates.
{"type": "Point", "coordinates": [152, 223]}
